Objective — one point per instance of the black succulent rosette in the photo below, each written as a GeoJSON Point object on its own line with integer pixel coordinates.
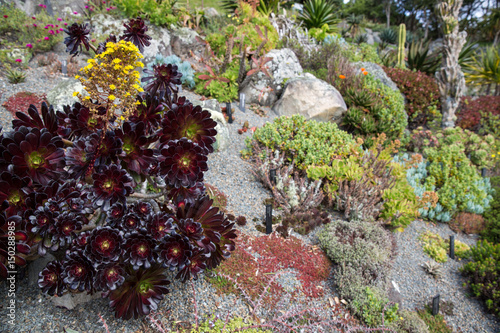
{"type": "Point", "coordinates": [136, 155]}
{"type": "Point", "coordinates": [196, 266]}
{"type": "Point", "coordinates": [111, 184]}
{"type": "Point", "coordinates": [140, 293]}
{"type": "Point", "coordinates": [185, 195]}
{"type": "Point", "coordinates": [142, 208]}
{"type": "Point", "coordinates": [14, 190]}
{"type": "Point", "coordinates": [149, 111]}
{"type": "Point", "coordinates": [79, 120]}
{"type": "Point", "coordinates": [104, 245]}
{"type": "Point", "coordinates": [174, 251]}
{"type": "Point", "coordinates": [109, 276]}
{"type": "Point", "coordinates": [183, 163]}
{"type": "Point", "coordinates": [138, 249]}
{"type": "Point", "coordinates": [160, 225]}
{"type": "Point", "coordinates": [50, 279]}
{"type": "Point", "coordinates": [78, 34]}
{"type": "Point", "coordinates": [35, 153]}
{"type": "Point", "coordinates": [43, 220]}
{"type": "Point", "coordinates": [115, 213]}
{"type": "Point", "coordinates": [190, 122]}
{"type": "Point", "coordinates": [78, 272]}
{"type": "Point", "coordinates": [47, 120]}
{"type": "Point", "coordinates": [135, 32]}
{"type": "Point", "coordinates": [164, 79]}
{"type": "Point", "coordinates": [190, 229]}
{"type": "Point", "coordinates": [131, 221]}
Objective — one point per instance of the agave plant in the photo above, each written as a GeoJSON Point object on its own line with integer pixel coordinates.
{"type": "Point", "coordinates": [388, 36]}
{"type": "Point", "coordinates": [68, 183]}
{"type": "Point", "coordinates": [419, 58]}
{"type": "Point", "coordinates": [317, 13]}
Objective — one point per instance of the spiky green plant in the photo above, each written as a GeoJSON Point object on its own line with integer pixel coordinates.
{"type": "Point", "coordinates": [317, 13]}
{"type": "Point", "coordinates": [485, 69]}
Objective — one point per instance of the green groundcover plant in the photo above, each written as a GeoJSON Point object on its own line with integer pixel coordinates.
{"type": "Point", "coordinates": [67, 182]}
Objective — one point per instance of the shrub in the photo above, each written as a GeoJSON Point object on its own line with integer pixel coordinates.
{"type": "Point", "coordinates": [361, 252]}
{"type": "Point", "coordinates": [409, 321]}
{"type": "Point", "coordinates": [480, 148]}
{"type": "Point", "coordinates": [492, 215]}
{"type": "Point", "coordinates": [237, 324]}
{"type": "Point", "coordinates": [483, 274]}
{"type": "Point", "coordinates": [475, 114]}
{"type": "Point", "coordinates": [468, 223]}
{"type": "Point", "coordinates": [363, 52]}
{"type": "Point", "coordinates": [421, 139]}
{"type": "Point", "coordinates": [307, 142]}
{"type": "Point", "coordinates": [382, 112]}
{"type": "Point", "coordinates": [21, 101]}
{"type": "Point", "coordinates": [456, 182]}
{"type": "Point", "coordinates": [421, 92]}
{"type": "Point", "coordinates": [160, 13]}
{"type": "Point", "coordinates": [218, 89]}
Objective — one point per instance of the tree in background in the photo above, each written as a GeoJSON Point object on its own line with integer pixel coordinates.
{"type": "Point", "coordinates": [450, 78]}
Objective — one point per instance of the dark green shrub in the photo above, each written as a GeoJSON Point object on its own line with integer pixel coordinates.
{"type": "Point", "coordinates": [492, 215]}
{"type": "Point", "coordinates": [483, 274]}
{"type": "Point", "coordinates": [421, 92]}
{"type": "Point", "coordinates": [307, 142]}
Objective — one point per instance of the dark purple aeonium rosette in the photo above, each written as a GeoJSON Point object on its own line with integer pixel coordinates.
{"type": "Point", "coordinates": [104, 245]}
{"type": "Point", "coordinates": [139, 249]}
{"type": "Point", "coordinates": [183, 163]}
{"type": "Point", "coordinates": [78, 272]}
{"type": "Point", "coordinates": [140, 293]}
{"type": "Point", "coordinates": [174, 251]}
{"type": "Point", "coordinates": [164, 79]}
{"type": "Point", "coordinates": [50, 279]}
{"type": "Point", "coordinates": [111, 184]}
{"type": "Point", "coordinates": [135, 32]}
{"type": "Point", "coordinates": [78, 34]}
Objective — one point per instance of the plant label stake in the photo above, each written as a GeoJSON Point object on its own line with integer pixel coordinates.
{"type": "Point", "coordinates": [452, 246]}
{"type": "Point", "coordinates": [229, 114]}
{"type": "Point", "coordinates": [483, 172]}
{"type": "Point", "coordinates": [64, 68]}
{"type": "Point", "coordinates": [272, 176]}
{"type": "Point", "coordinates": [242, 102]}
{"type": "Point", "coordinates": [269, 219]}
{"type": "Point", "coordinates": [435, 305]}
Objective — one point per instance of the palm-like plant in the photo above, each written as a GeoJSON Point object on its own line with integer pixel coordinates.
{"type": "Point", "coordinates": [354, 21]}
{"type": "Point", "coordinates": [317, 13]}
{"type": "Point", "coordinates": [485, 70]}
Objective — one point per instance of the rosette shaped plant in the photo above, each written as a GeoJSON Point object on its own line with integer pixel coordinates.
{"type": "Point", "coordinates": [188, 121]}
{"type": "Point", "coordinates": [78, 120]}
{"type": "Point", "coordinates": [196, 265]}
{"type": "Point", "coordinates": [111, 184]}
{"type": "Point", "coordinates": [35, 153]}
{"type": "Point", "coordinates": [174, 251]}
{"type": "Point", "coordinates": [148, 111]}
{"type": "Point", "coordinates": [14, 191]}
{"type": "Point", "coordinates": [104, 245]}
{"type": "Point", "coordinates": [47, 120]}
{"type": "Point", "coordinates": [184, 195]}
{"type": "Point", "coordinates": [78, 34]}
{"type": "Point", "coordinates": [139, 249]}
{"type": "Point", "coordinates": [50, 279]}
{"type": "Point", "coordinates": [9, 234]}
{"type": "Point", "coordinates": [135, 154]}
{"type": "Point", "coordinates": [135, 32]}
{"type": "Point", "coordinates": [160, 225]}
{"type": "Point", "coordinates": [183, 163]}
{"type": "Point", "coordinates": [140, 293]}
{"type": "Point", "coordinates": [78, 272]}
{"type": "Point", "coordinates": [109, 276]}
{"type": "Point", "coordinates": [164, 79]}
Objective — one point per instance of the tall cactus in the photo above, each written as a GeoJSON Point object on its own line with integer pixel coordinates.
{"type": "Point", "coordinates": [401, 45]}
{"type": "Point", "coordinates": [449, 77]}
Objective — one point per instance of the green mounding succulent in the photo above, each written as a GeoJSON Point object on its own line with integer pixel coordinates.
{"type": "Point", "coordinates": [306, 142]}
{"type": "Point", "coordinates": [492, 216]}
{"type": "Point", "coordinates": [438, 248]}
{"type": "Point", "coordinates": [482, 273]}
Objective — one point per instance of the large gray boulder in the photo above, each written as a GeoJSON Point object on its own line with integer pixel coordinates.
{"type": "Point", "coordinates": [264, 90]}
{"type": "Point", "coordinates": [378, 72]}
{"type": "Point", "coordinates": [311, 97]}
{"type": "Point", "coordinates": [184, 41]}
{"type": "Point", "coordinates": [285, 65]}
{"type": "Point", "coordinates": [62, 94]}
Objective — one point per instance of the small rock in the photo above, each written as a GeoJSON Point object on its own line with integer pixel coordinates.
{"type": "Point", "coordinates": [71, 300]}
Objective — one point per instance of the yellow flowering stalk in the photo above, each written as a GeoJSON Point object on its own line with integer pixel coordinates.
{"type": "Point", "coordinates": [112, 81]}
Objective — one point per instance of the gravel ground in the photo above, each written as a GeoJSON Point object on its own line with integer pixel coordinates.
{"type": "Point", "coordinates": [232, 175]}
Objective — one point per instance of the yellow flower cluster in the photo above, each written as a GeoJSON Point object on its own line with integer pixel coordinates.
{"type": "Point", "coordinates": [111, 79]}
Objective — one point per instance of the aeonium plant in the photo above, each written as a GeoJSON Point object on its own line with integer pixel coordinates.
{"type": "Point", "coordinates": [68, 180]}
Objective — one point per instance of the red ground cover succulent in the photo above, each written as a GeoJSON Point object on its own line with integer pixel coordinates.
{"type": "Point", "coordinates": [21, 101]}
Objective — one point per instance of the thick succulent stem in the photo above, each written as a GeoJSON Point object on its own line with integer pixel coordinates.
{"type": "Point", "coordinates": [227, 58]}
